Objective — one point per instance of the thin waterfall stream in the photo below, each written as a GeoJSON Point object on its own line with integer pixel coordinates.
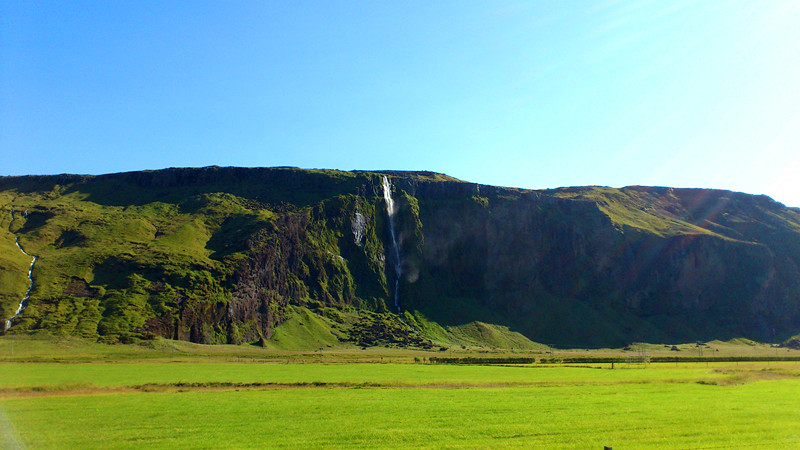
{"type": "Point", "coordinates": [395, 251]}
{"type": "Point", "coordinates": [24, 301]}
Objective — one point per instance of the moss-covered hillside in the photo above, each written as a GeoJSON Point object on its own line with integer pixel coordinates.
{"type": "Point", "coordinates": [227, 255]}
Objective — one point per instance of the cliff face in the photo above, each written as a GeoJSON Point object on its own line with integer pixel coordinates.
{"type": "Point", "coordinates": [599, 266]}
{"type": "Point", "coordinates": [219, 254]}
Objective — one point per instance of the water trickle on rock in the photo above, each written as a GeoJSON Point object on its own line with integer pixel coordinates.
{"type": "Point", "coordinates": [24, 301]}
{"type": "Point", "coordinates": [395, 250]}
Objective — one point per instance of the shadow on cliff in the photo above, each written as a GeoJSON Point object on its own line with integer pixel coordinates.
{"type": "Point", "coordinates": [270, 186]}
{"type": "Point", "coordinates": [572, 323]}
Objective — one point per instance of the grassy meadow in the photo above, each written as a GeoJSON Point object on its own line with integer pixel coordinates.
{"type": "Point", "coordinates": [76, 394]}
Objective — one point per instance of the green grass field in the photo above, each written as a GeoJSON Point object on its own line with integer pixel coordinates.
{"type": "Point", "coordinates": [692, 415]}
{"type": "Point", "coordinates": [181, 395]}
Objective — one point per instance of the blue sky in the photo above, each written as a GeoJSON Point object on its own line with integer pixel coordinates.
{"type": "Point", "coordinates": [526, 94]}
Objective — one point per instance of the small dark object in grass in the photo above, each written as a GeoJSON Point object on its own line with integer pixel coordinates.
{"type": "Point", "coordinates": [674, 349]}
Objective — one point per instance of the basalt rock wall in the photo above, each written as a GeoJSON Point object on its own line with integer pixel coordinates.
{"type": "Point", "coordinates": [565, 269]}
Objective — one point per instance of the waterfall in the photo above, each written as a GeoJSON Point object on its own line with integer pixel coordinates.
{"type": "Point", "coordinates": [390, 211]}
{"type": "Point", "coordinates": [24, 301]}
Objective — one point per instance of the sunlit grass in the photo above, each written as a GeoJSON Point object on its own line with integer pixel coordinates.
{"type": "Point", "coordinates": [179, 395]}
{"type": "Point", "coordinates": [16, 375]}
{"type": "Point", "coordinates": [685, 415]}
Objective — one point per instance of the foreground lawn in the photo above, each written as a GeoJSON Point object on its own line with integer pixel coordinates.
{"type": "Point", "coordinates": [763, 413]}
{"type": "Point", "coordinates": [402, 405]}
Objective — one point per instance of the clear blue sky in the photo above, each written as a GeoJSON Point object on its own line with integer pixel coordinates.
{"type": "Point", "coordinates": [526, 94]}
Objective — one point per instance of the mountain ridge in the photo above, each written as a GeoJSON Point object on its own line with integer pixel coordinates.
{"type": "Point", "coordinates": [225, 254]}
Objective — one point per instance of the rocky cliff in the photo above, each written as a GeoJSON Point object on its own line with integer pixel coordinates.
{"type": "Point", "coordinates": [223, 255]}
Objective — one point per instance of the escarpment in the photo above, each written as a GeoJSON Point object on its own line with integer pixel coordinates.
{"type": "Point", "coordinates": [223, 255]}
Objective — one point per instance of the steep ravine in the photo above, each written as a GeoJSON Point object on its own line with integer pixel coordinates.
{"type": "Point", "coordinates": [24, 302]}
{"type": "Point", "coordinates": [394, 248]}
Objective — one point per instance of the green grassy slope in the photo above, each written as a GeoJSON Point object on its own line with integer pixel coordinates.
{"type": "Point", "coordinates": [210, 255]}
{"type": "Point", "coordinates": [114, 254]}
{"type": "Point", "coordinates": [669, 211]}
{"type": "Point", "coordinates": [641, 210]}
{"type": "Point", "coordinates": [13, 268]}
{"type": "Point", "coordinates": [305, 330]}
